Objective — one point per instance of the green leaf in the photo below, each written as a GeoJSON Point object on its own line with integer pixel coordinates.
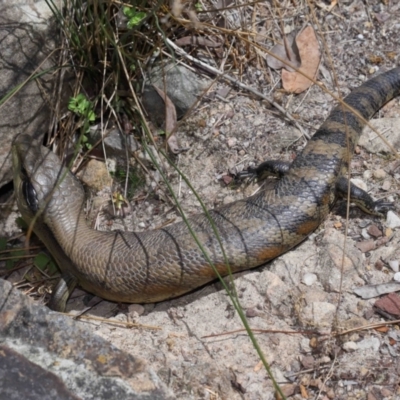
{"type": "Point", "coordinates": [21, 223]}
{"type": "Point", "coordinates": [41, 261]}
{"type": "Point", "coordinates": [135, 19]}
{"type": "Point", "coordinates": [3, 244]}
{"type": "Point", "coordinates": [52, 267]}
{"type": "Point", "coordinates": [16, 257]}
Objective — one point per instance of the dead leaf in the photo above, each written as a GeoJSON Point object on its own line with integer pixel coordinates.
{"type": "Point", "coordinates": [307, 44]}
{"type": "Point", "coordinates": [389, 304]}
{"type": "Point", "coordinates": [170, 121]}
{"type": "Point", "coordinates": [287, 51]}
{"type": "Point", "coordinates": [382, 329]}
{"type": "Point", "coordinates": [303, 392]}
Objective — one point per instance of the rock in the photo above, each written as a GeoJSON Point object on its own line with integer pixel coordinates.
{"type": "Point", "coordinates": [116, 143]}
{"type": "Point", "coordinates": [350, 346]}
{"type": "Point", "coordinates": [365, 234]}
{"type": "Point", "coordinates": [374, 231]}
{"type": "Point", "coordinates": [274, 288]}
{"type": "Point", "coordinates": [47, 355]}
{"type": "Point", "coordinates": [392, 220]}
{"type": "Point", "coordinates": [319, 314]}
{"type": "Point", "coordinates": [379, 174]}
{"type": "Point", "coordinates": [309, 279]}
{"type": "Point", "coordinates": [95, 175]}
{"type": "Point", "coordinates": [183, 87]}
{"type": "Point", "coordinates": [370, 291]}
{"type": "Point", "coordinates": [28, 34]}
{"type": "Point", "coordinates": [372, 143]}
{"type": "Point", "coordinates": [288, 389]}
{"type": "Point", "coordinates": [332, 275]}
{"type": "Point", "coordinates": [386, 185]}
{"type": "Point", "coordinates": [366, 245]}
{"type": "Point", "coordinates": [394, 264]}
{"type": "Point", "coordinates": [396, 277]}
{"type": "Point", "coordinates": [359, 183]}
{"type": "Point", "coordinates": [367, 174]}
{"type": "Point", "coordinates": [369, 343]}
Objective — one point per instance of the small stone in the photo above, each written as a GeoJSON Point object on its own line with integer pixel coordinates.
{"type": "Point", "coordinates": [231, 142]}
{"type": "Point", "coordinates": [288, 389]}
{"type": "Point", "coordinates": [136, 309]}
{"type": "Point", "coordinates": [364, 234]}
{"type": "Point", "coordinates": [251, 313]}
{"type": "Point", "coordinates": [386, 185]}
{"type": "Point", "coordinates": [319, 313]}
{"type": "Point", "coordinates": [394, 264]}
{"type": "Point", "coordinates": [367, 174]}
{"type": "Point", "coordinates": [388, 232]}
{"type": "Point", "coordinates": [366, 245]}
{"type": "Point", "coordinates": [392, 220]}
{"type": "Point", "coordinates": [379, 174]}
{"type": "Point", "coordinates": [369, 343]}
{"type": "Point", "coordinates": [386, 393]}
{"type": "Point", "coordinates": [309, 279]}
{"type": "Point", "coordinates": [379, 265]}
{"type": "Point", "coordinates": [228, 199]}
{"type": "Point", "coordinates": [359, 183]}
{"type": "Point", "coordinates": [374, 231]}
{"type": "Point", "coordinates": [95, 175]}
{"type": "Point", "coordinates": [308, 362]}
{"type": "Point", "coordinates": [305, 345]}
{"type": "Point", "coordinates": [350, 346]}
{"type": "Point", "coordinates": [396, 277]}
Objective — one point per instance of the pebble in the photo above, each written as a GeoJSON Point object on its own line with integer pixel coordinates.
{"type": "Point", "coordinates": [367, 174]}
{"type": "Point", "coordinates": [369, 343]}
{"type": "Point", "coordinates": [386, 185]}
{"type": "Point", "coordinates": [309, 279]}
{"type": "Point", "coordinates": [231, 142]}
{"type": "Point", "coordinates": [136, 309]}
{"type": "Point", "coordinates": [374, 231]}
{"type": "Point", "coordinates": [228, 199]}
{"type": "Point", "coordinates": [365, 234]}
{"type": "Point", "coordinates": [95, 175]}
{"type": "Point", "coordinates": [319, 313]}
{"type": "Point", "coordinates": [379, 174]}
{"type": "Point", "coordinates": [392, 220]}
{"type": "Point", "coordinates": [394, 264]}
{"type": "Point", "coordinates": [359, 183]}
{"type": "Point", "coordinates": [350, 346]}
{"type": "Point", "coordinates": [396, 277]}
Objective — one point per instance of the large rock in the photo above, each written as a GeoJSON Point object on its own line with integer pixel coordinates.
{"type": "Point", "coordinates": [27, 37]}
{"type": "Point", "coordinates": [47, 355]}
{"type": "Point", "coordinates": [182, 86]}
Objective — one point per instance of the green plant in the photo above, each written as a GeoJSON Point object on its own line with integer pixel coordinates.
{"type": "Point", "coordinates": [135, 17]}
{"type": "Point", "coordinates": [44, 262]}
{"type": "Point", "coordinates": [13, 256]}
{"type": "Point", "coordinates": [82, 107]}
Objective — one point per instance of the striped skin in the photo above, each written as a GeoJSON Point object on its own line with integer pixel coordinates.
{"type": "Point", "coordinates": [157, 265]}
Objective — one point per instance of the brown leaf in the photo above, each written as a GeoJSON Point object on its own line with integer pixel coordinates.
{"type": "Point", "coordinates": [307, 44]}
{"type": "Point", "coordinates": [170, 121]}
{"type": "Point", "coordinates": [389, 304]}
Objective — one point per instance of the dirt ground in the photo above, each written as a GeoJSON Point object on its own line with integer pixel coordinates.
{"type": "Point", "coordinates": [296, 303]}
